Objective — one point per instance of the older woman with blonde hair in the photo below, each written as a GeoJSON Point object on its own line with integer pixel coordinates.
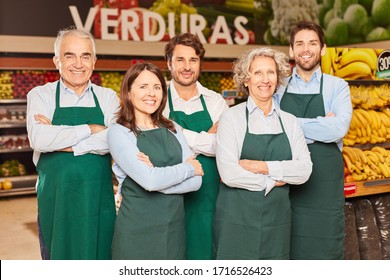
{"type": "Point", "coordinates": [261, 150]}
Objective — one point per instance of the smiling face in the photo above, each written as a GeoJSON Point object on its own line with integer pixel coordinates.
{"type": "Point", "coordinates": [263, 79]}
{"type": "Point", "coordinates": [75, 62]}
{"type": "Point", "coordinates": [146, 94]}
{"type": "Point", "coordinates": [185, 65]}
{"type": "Point", "coordinates": [307, 51]}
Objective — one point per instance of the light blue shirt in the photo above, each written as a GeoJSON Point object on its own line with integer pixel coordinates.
{"type": "Point", "coordinates": [176, 179]}
{"type": "Point", "coordinates": [48, 138]}
{"type": "Point", "coordinates": [337, 99]}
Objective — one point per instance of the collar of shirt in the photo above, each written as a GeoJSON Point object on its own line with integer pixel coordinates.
{"type": "Point", "coordinates": [251, 105]}
{"type": "Point", "coordinates": [315, 77]}
{"type": "Point", "coordinates": [70, 91]}
{"type": "Point", "coordinates": [199, 90]}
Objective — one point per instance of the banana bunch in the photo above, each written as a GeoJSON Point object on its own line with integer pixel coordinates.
{"type": "Point", "coordinates": [368, 127]}
{"type": "Point", "coordinates": [350, 63]}
{"type": "Point", "coordinates": [367, 164]}
{"type": "Point", "coordinates": [370, 97]}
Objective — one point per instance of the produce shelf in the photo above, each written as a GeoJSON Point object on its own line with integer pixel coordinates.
{"type": "Point", "coordinates": [15, 150]}
{"type": "Point", "coordinates": [21, 185]}
{"type": "Point", "coordinates": [355, 189]}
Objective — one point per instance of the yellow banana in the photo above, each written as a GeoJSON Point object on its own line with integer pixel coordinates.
{"type": "Point", "coordinates": [359, 167]}
{"type": "Point", "coordinates": [359, 177]}
{"type": "Point", "coordinates": [326, 62]}
{"type": "Point", "coordinates": [366, 116]}
{"type": "Point", "coordinates": [356, 67]}
{"type": "Point", "coordinates": [384, 118]}
{"type": "Point", "coordinates": [374, 120]}
{"type": "Point", "coordinates": [355, 122]}
{"type": "Point", "coordinates": [360, 119]}
{"type": "Point", "coordinates": [339, 53]}
{"type": "Point", "coordinates": [385, 170]}
{"type": "Point", "coordinates": [333, 59]}
{"type": "Point", "coordinates": [370, 172]}
{"type": "Point", "coordinates": [377, 139]}
{"type": "Point", "coordinates": [380, 156]}
{"type": "Point", "coordinates": [382, 131]}
{"type": "Point", "coordinates": [380, 150]}
{"type": "Point", "coordinates": [350, 135]}
{"type": "Point", "coordinates": [372, 156]}
{"type": "Point", "coordinates": [358, 76]}
{"type": "Point", "coordinates": [367, 56]}
{"type": "Point", "coordinates": [348, 142]}
{"type": "Point", "coordinates": [359, 132]}
{"type": "Point", "coordinates": [361, 155]}
{"type": "Point", "coordinates": [348, 151]}
{"type": "Point", "coordinates": [378, 51]}
{"type": "Point", "coordinates": [376, 169]}
{"type": "Point", "coordinates": [349, 164]}
{"type": "Point", "coordinates": [387, 112]}
{"type": "Point", "coordinates": [353, 133]}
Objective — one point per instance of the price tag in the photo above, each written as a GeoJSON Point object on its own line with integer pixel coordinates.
{"type": "Point", "coordinates": [350, 188]}
{"type": "Point", "coordinates": [384, 65]}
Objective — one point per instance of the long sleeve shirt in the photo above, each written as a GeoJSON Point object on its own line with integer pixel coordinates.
{"type": "Point", "coordinates": [48, 138]}
{"type": "Point", "coordinates": [176, 179]}
{"type": "Point", "coordinates": [230, 138]}
{"type": "Point", "coordinates": [203, 142]}
{"type": "Point", "coordinates": [337, 99]}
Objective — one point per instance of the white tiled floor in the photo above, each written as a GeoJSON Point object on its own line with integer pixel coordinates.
{"type": "Point", "coordinates": [19, 233]}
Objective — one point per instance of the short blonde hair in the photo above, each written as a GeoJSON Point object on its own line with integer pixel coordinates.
{"type": "Point", "coordinates": [242, 65]}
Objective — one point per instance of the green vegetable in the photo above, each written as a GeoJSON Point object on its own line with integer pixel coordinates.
{"type": "Point", "coordinates": [378, 34]}
{"type": "Point", "coordinates": [381, 11]}
{"type": "Point", "coordinates": [337, 32]}
{"type": "Point", "coordinates": [356, 18]}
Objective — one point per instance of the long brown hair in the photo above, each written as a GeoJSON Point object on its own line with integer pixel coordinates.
{"type": "Point", "coordinates": [126, 113]}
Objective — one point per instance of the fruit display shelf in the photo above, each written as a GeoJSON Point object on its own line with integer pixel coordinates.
{"type": "Point", "coordinates": [356, 189]}
{"type": "Point", "coordinates": [21, 185]}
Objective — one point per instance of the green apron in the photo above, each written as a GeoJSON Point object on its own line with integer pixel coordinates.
{"type": "Point", "coordinates": [318, 205]}
{"type": "Point", "coordinates": [249, 225]}
{"type": "Point", "coordinates": [150, 225]}
{"type": "Point", "coordinates": [76, 204]}
{"type": "Point", "coordinates": [200, 205]}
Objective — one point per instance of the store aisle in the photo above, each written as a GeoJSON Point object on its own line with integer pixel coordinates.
{"type": "Point", "coordinates": [19, 233]}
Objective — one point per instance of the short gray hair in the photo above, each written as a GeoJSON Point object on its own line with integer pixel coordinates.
{"type": "Point", "coordinates": [73, 31]}
{"type": "Point", "coordinates": [242, 65]}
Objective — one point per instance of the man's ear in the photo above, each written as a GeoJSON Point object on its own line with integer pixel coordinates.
{"type": "Point", "coordinates": [323, 50]}
{"type": "Point", "coordinates": [291, 52]}
{"type": "Point", "coordinates": [56, 62]}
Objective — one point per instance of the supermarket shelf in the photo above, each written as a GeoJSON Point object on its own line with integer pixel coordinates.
{"type": "Point", "coordinates": [369, 146]}
{"type": "Point", "coordinates": [21, 185]}
{"type": "Point", "coordinates": [37, 63]}
{"type": "Point", "coordinates": [13, 124]}
{"type": "Point", "coordinates": [15, 150]}
{"type": "Point", "coordinates": [13, 101]}
{"type": "Point", "coordinates": [355, 189]}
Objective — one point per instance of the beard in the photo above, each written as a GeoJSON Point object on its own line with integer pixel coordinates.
{"type": "Point", "coordinates": [182, 82]}
{"type": "Point", "coordinates": [308, 66]}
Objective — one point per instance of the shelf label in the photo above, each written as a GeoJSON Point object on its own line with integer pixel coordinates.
{"type": "Point", "coordinates": [350, 188]}
{"type": "Point", "coordinates": [384, 65]}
